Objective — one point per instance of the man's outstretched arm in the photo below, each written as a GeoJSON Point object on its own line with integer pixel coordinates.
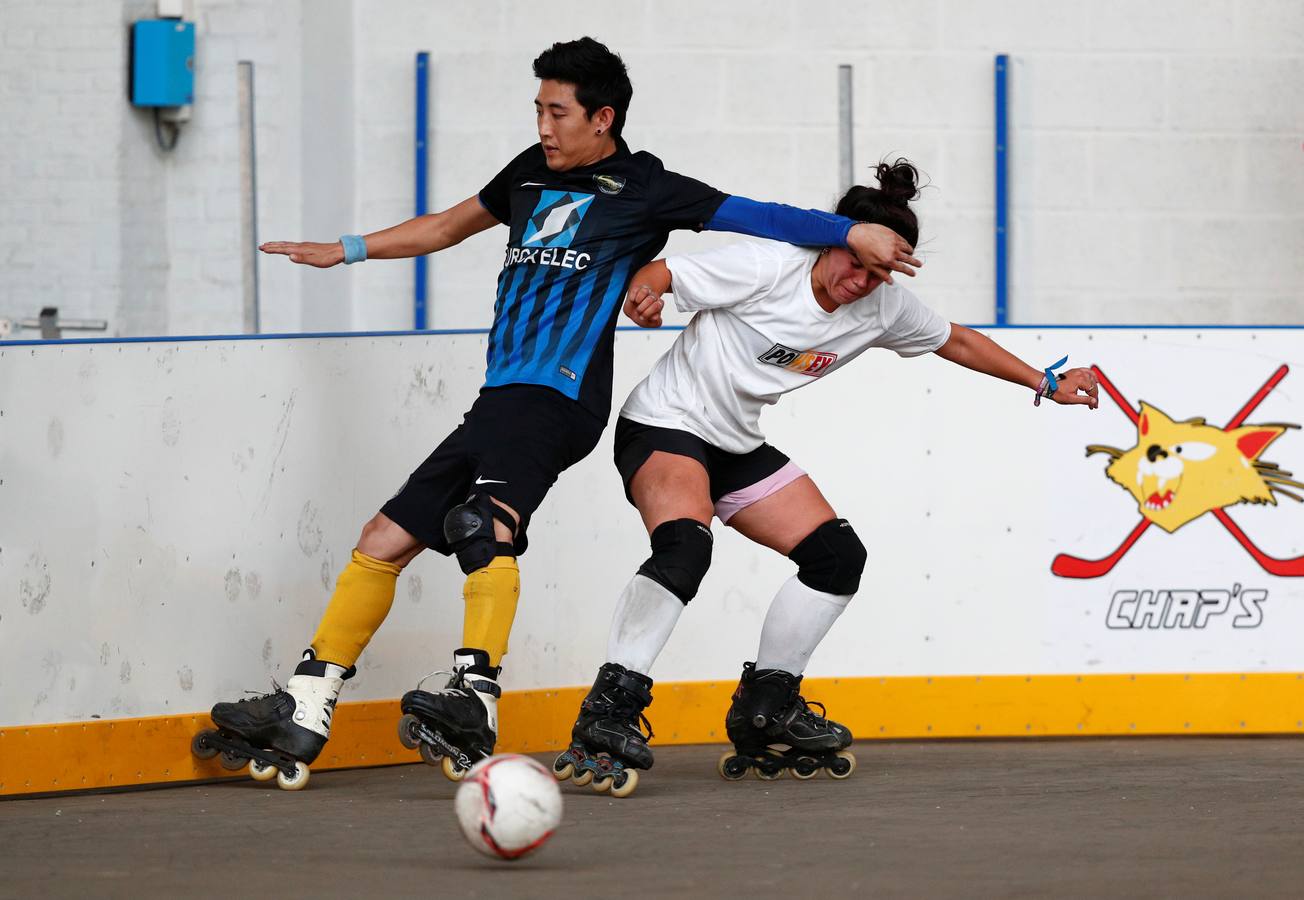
{"type": "Point", "coordinates": [415, 237]}
{"type": "Point", "coordinates": [880, 250]}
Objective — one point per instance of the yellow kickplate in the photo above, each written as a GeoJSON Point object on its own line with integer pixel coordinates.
{"type": "Point", "coordinates": [152, 750]}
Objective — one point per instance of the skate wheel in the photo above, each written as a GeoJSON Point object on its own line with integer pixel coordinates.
{"type": "Point", "coordinates": [623, 784]}
{"type": "Point", "coordinates": [260, 771]}
{"type": "Point", "coordinates": [562, 767]}
{"type": "Point", "coordinates": [769, 771]}
{"type": "Point", "coordinates": [805, 768]}
{"type": "Point", "coordinates": [583, 778]}
{"type": "Point", "coordinates": [429, 755]}
{"type": "Point", "coordinates": [451, 771]}
{"type": "Point", "coordinates": [407, 731]}
{"type": "Point", "coordinates": [603, 784]}
{"type": "Point", "coordinates": [732, 767]}
{"type": "Point", "coordinates": [297, 783]}
{"type": "Point", "coordinates": [231, 762]}
{"type": "Point", "coordinates": [843, 766]}
{"type": "Point", "coordinates": [200, 747]}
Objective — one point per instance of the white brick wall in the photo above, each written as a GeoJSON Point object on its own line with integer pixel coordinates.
{"type": "Point", "coordinates": [1156, 158]}
{"type": "Point", "coordinates": [101, 223]}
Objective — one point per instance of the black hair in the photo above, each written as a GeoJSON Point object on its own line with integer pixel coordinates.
{"type": "Point", "coordinates": [889, 203]}
{"type": "Point", "coordinates": [599, 76]}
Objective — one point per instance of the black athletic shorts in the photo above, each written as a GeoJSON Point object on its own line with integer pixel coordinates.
{"type": "Point", "coordinates": [728, 472]}
{"type": "Point", "coordinates": [511, 445]}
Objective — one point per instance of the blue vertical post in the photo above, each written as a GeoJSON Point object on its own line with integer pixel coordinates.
{"type": "Point", "coordinates": [422, 207]}
{"type": "Point", "coordinates": [1002, 187]}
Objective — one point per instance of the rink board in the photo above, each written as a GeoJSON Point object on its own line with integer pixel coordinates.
{"type": "Point", "coordinates": [173, 515]}
{"type": "Point", "coordinates": [156, 749]}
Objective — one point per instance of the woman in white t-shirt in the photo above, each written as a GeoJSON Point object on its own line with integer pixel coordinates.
{"type": "Point", "coordinates": [769, 318]}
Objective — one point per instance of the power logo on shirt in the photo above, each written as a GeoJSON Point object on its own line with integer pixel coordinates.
{"type": "Point", "coordinates": [810, 362]}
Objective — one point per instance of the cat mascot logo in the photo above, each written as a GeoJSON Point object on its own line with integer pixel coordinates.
{"type": "Point", "coordinates": [1180, 470]}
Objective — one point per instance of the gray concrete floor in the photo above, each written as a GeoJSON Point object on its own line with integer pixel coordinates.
{"type": "Point", "coordinates": [1120, 818]}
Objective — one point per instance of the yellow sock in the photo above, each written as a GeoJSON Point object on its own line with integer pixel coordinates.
{"type": "Point", "coordinates": [491, 595]}
{"type": "Point", "coordinates": [363, 595]}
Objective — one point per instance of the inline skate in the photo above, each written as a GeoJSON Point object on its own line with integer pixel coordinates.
{"type": "Point", "coordinates": [607, 747]}
{"type": "Point", "coordinates": [455, 727]}
{"type": "Point", "coordinates": [774, 730]}
{"type": "Point", "coordinates": [278, 734]}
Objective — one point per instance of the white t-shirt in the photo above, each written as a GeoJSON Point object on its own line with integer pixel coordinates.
{"type": "Point", "coordinates": [758, 333]}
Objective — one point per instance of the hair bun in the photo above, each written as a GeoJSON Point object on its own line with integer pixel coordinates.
{"type": "Point", "coordinates": [899, 181]}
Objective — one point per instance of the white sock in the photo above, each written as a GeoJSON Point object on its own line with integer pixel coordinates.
{"type": "Point", "coordinates": [644, 618]}
{"type": "Point", "coordinates": [798, 619]}
{"type": "Point", "coordinates": [489, 700]}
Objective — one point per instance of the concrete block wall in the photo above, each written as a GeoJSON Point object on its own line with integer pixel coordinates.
{"type": "Point", "coordinates": [203, 187]}
{"type": "Point", "coordinates": [1173, 132]}
{"type": "Point", "coordinates": [1157, 164]}
{"type": "Point", "coordinates": [100, 222]}
{"type": "Point", "coordinates": [60, 224]}
{"type": "Point", "coordinates": [1157, 153]}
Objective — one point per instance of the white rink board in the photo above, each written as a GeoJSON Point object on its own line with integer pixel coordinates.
{"type": "Point", "coordinates": [173, 515]}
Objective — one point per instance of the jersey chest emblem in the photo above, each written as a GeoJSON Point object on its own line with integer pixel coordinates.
{"type": "Point", "coordinates": [556, 218]}
{"type": "Point", "coordinates": [609, 184]}
{"type": "Point", "coordinates": [804, 362]}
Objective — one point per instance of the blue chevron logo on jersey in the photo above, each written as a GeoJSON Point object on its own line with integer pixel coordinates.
{"type": "Point", "coordinates": [556, 219]}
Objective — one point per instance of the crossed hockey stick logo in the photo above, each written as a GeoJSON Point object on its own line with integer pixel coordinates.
{"type": "Point", "coordinates": [1166, 450]}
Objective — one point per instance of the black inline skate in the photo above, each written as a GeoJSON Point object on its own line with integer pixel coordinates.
{"type": "Point", "coordinates": [281, 733]}
{"type": "Point", "coordinates": [457, 726]}
{"type": "Point", "coordinates": [607, 747]}
{"type": "Point", "coordinates": [774, 730]}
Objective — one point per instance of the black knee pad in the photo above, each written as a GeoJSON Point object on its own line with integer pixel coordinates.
{"type": "Point", "coordinates": [831, 558]}
{"type": "Point", "coordinates": [469, 530]}
{"type": "Point", "coordinates": [681, 554]}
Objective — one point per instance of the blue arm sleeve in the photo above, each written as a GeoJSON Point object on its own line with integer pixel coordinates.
{"type": "Point", "coordinates": [803, 227]}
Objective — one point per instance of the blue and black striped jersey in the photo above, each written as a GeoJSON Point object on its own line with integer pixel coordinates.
{"type": "Point", "coordinates": [577, 238]}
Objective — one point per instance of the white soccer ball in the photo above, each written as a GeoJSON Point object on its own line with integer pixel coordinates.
{"type": "Point", "coordinates": [508, 806]}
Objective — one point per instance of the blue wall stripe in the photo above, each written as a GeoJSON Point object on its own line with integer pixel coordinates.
{"type": "Point", "coordinates": [440, 332]}
{"type": "Point", "coordinates": [420, 276]}
{"type": "Point", "coordinates": [1002, 188]}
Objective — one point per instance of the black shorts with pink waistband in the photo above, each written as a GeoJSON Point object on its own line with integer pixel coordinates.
{"type": "Point", "coordinates": [728, 472]}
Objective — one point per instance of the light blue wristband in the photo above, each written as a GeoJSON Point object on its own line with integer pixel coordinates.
{"type": "Point", "coordinates": [355, 248]}
{"type": "Point", "coordinates": [1049, 382]}
{"type": "Point", "coordinates": [1051, 378]}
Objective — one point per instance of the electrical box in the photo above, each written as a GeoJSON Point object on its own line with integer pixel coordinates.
{"type": "Point", "coordinates": [162, 62]}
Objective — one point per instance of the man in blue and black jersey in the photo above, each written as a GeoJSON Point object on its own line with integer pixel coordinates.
{"type": "Point", "coordinates": [584, 213]}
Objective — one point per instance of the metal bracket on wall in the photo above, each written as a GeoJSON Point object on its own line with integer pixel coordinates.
{"type": "Point", "coordinates": [846, 131]}
{"type": "Point", "coordinates": [52, 327]}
